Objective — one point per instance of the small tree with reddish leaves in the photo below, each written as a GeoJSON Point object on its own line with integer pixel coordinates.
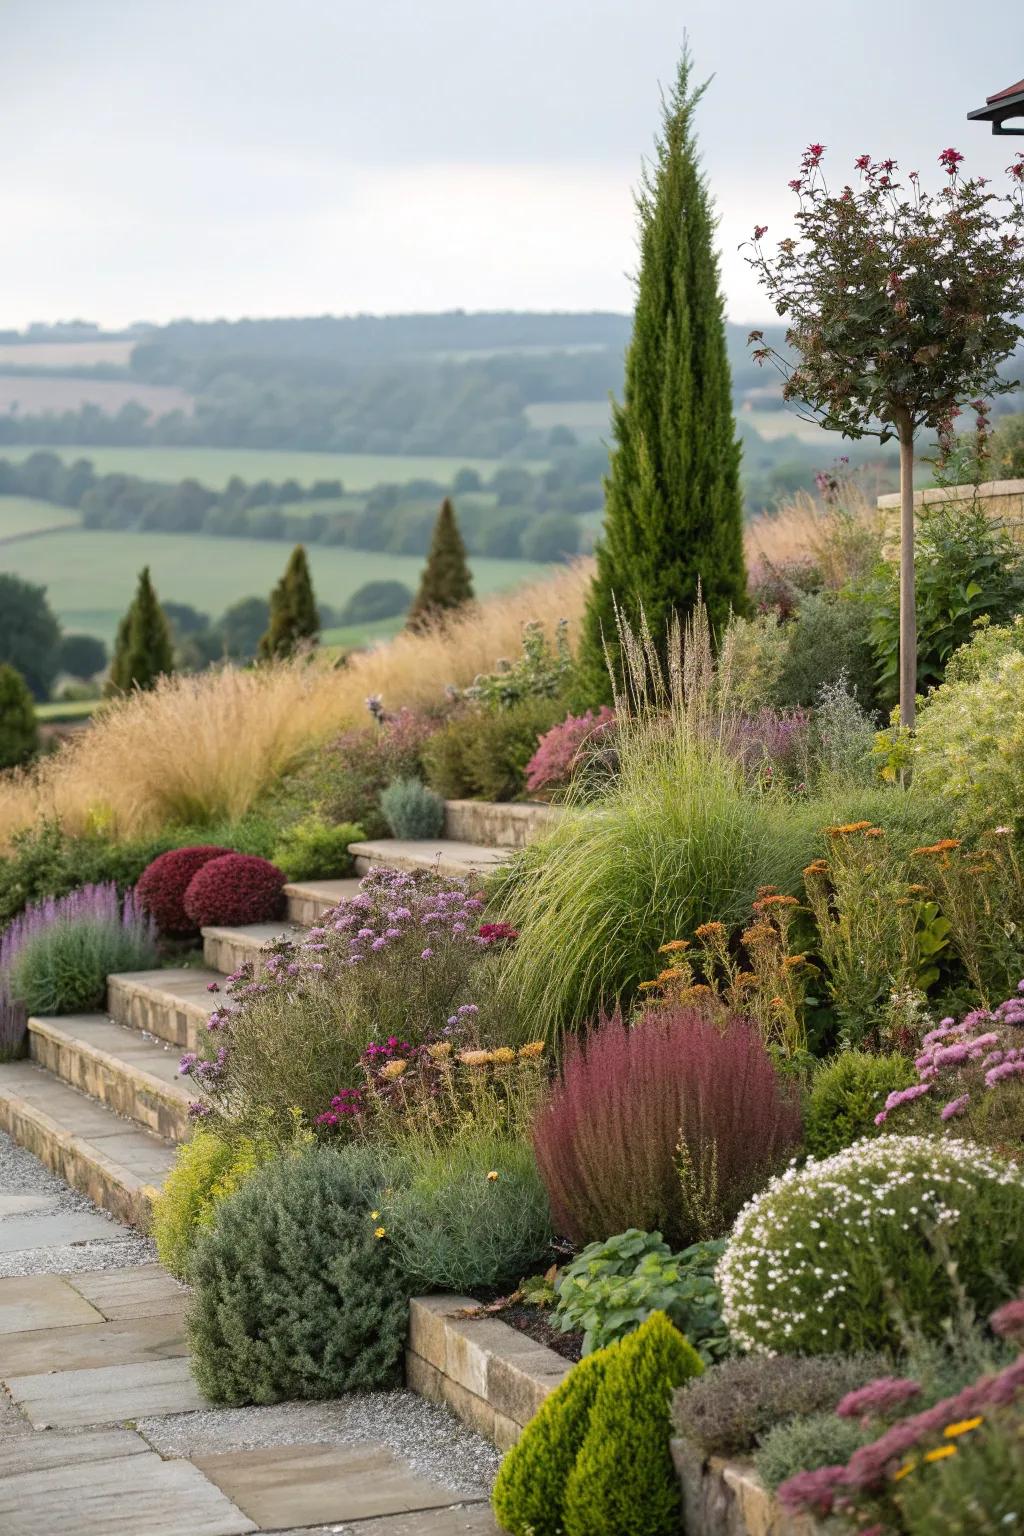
{"type": "Point", "coordinates": [901, 304]}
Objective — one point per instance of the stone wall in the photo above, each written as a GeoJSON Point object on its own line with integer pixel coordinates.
{"type": "Point", "coordinates": [496, 826]}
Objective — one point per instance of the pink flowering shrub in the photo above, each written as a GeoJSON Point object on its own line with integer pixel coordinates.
{"type": "Point", "coordinates": [970, 1079]}
{"type": "Point", "coordinates": [581, 744]}
{"type": "Point", "coordinates": [396, 966]}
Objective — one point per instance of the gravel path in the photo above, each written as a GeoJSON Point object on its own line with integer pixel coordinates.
{"type": "Point", "coordinates": [23, 1174]}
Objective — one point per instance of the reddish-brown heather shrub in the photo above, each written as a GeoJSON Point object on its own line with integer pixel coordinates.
{"type": "Point", "coordinates": [668, 1124]}
{"type": "Point", "coordinates": [238, 888]}
{"type": "Point", "coordinates": [162, 886]}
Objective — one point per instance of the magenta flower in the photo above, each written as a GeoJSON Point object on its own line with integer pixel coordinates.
{"type": "Point", "coordinates": [955, 1107]}
{"type": "Point", "coordinates": [878, 1397]}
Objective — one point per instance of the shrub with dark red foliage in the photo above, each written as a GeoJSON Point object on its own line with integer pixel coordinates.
{"type": "Point", "coordinates": [162, 885]}
{"type": "Point", "coordinates": [667, 1125]}
{"type": "Point", "coordinates": [237, 888]}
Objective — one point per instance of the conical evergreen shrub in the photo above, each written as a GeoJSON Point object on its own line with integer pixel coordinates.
{"type": "Point", "coordinates": [294, 617]}
{"type": "Point", "coordinates": [19, 733]}
{"type": "Point", "coordinates": [623, 1482]}
{"type": "Point", "coordinates": [143, 650]}
{"type": "Point", "coordinates": [530, 1489]}
{"type": "Point", "coordinates": [446, 583]}
{"type": "Point", "coordinates": [673, 508]}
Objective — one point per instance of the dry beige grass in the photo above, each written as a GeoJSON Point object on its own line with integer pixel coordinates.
{"type": "Point", "coordinates": [843, 540]}
{"type": "Point", "coordinates": [198, 748]}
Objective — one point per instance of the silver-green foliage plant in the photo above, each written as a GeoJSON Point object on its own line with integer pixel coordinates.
{"type": "Point", "coordinates": [411, 810]}
{"type": "Point", "coordinates": [969, 746]}
{"type": "Point", "coordinates": [807, 1442]}
{"type": "Point", "coordinates": [847, 1253]}
{"type": "Point", "coordinates": [612, 1287]}
{"type": "Point", "coordinates": [542, 671]}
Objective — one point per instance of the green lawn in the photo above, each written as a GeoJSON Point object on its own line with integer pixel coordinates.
{"type": "Point", "coordinates": [589, 419]}
{"type": "Point", "coordinates": [90, 576]}
{"type": "Point", "coordinates": [67, 709]}
{"type": "Point", "coordinates": [215, 466]}
{"type": "Point", "coordinates": [20, 515]}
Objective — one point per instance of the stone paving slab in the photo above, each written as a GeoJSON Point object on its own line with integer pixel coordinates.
{"type": "Point", "coordinates": [132, 1341]}
{"type": "Point", "coordinates": [42, 1301]}
{"type": "Point", "coordinates": [19, 1205]}
{"type": "Point", "coordinates": [148, 1291]}
{"type": "Point", "coordinates": [53, 1230]}
{"type": "Point", "coordinates": [459, 1520]}
{"type": "Point", "coordinates": [137, 1495]}
{"type": "Point", "coordinates": [106, 1394]}
{"type": "Point", "coordinates": [312, 1484]}
{"type": "Point", "coordinates": [39, 1451]}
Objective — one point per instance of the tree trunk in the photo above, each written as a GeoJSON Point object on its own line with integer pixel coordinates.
{"type": "Point", "coordinates": [908, 602]}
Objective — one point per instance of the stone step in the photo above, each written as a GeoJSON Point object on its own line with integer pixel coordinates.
{"type": "Point", "coordinates": [497, 826]}
{"type": "Point", "coordinates": [443, 857]}
{"type": "Point", "coordinates": [308, 900]}
{"type": "Point", "coordinates": [113, 1161]}
{"type": "Point", "coordinates": [137, 1077]}
{"type": "Point", "coordinates": [173, 1004]}
{"type": "Point", "coordinates": [226, 949]}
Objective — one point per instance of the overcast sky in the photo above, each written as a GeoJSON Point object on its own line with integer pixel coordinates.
{"type": "Point", "coordinates": [264, 157]}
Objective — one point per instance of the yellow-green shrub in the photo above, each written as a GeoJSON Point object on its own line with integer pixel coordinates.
{"type": "Point", "coordinates": [206, 1169]}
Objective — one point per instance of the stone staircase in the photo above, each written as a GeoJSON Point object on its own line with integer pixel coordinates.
{"type": "Point", "coordinates": [100, 1100]}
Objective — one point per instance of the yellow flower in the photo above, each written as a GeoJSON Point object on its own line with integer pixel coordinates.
{"type": "Point", "coordinates": [962, 1427]}
{"type": "Point", "coordinates": [439, 1051]}
{"type": "Point", "coordinates": [671, 973]}
{"type": "Point", "coordinates": [393, 1069]}
{"type": "Point", "coordinates": [492, 1177]}
{"type": "Point", "coordinates": [794, 962]}
{"type": "Point", "coordinates": [475, 1058]}
{"type": "Point", "coordinates": [775, 901]}
{"type": "Point", "coordinates": [674, 944]}
{"type": "Point", "coordinates": [849, 826]}
{"type": "Point", "coordinates": [778, 1002]}
{"type": "Point", "coordinates": [819, 867]}
{"type": "Point", "coordinates": [503, 1053]}
{"type": "Point", "coordinates": [380, 1232]}
{"type": "Point", "coordinates": [710, 931]}
{"type": "Point", "coordinates": [375, 1215]}
{"type": "Point", "coordinates": [532, 1048]}
{"type": "Point", "coordinates": [746, 979]}
{"type": "Point", "coordinates": [874, 832]}
{"type": "Point", "coordinates": [907, 1467]}
{"type": "Point", "coordinates": [940, 1453]}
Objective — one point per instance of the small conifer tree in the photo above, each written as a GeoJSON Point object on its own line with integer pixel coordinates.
{"type": "Point", "coordinates": [673, 508]}
{"type": "Point", "coordinates": [143, 650]}
{"type": "Point", "coordinates": [19, 733]}
{"type": "Point", "coordinates": [446, 583]}
{"type": "Point", "coordinates": [530, 1488]}
{"type": "Point", "coordinates": [294, 617]}
{"type": "Point", "coordinates": [624, 1482]}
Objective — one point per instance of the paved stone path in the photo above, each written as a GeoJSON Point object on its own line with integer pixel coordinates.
{"type": "Point", "coordinates": [103, 1432]}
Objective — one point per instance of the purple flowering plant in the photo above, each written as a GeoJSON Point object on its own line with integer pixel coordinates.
{"type": "Point", "coordinates": [56, 954]}
{"type": "Point", "coordinates": [398, 966]}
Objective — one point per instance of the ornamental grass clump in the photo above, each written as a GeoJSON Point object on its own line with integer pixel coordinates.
{"type": "Point", "coordinates": [402, 959]}
{"type": "Point", "coordinates": [667, 1125]}
{"type": "Point", "coordinates": [846, 1254]}
{"type": "Point", "coordinates": [968, 1078]}
{"type": "Point", "coordinates": [56, 956]}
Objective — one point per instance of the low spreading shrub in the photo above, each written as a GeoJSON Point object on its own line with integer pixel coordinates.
{"type": "Point", "coordinates": [624, 1482]}
{"type": "Point", "coordinates": [829, 641]}
{"type": "Point", "coordinates": [55, 957]}
{"type": "Point", "coordinates": [846, 1096]}
{"type": "Point", "coordinates": [163, 883]}
{"type": "Point", "coordinates": [344, 780]}
{"type": "Point", "coordinates": [611, 1288]}
{"type": "Point", "coordinates": [235, 888]}
{"type": "Point", "coordinates": [540, 671]}
{"type": "Point", "coordinates": [482, 754]}
{"type": "Point", "coordinates": [969, 1078]}
{"type": "Point", "coordinates": [668, 1126]}
{"type": "Point", "coordinates": [315, 850]}
{"type": "Point", "coordinates": [805, 1443]}
{"type": "Point", "coordinates": [470, 1215]}
{"type": "Point", "coordinates": [529, 1493]}
{"type": "Point", "coordinates": [412, 810]}
{"type": "Point", "coordinates": [726, 1411]}
{"type": "Point", "coordinates": [295, 1296]}
{"type": "Point", "coordinates": [575, 754]}
{"type": "Point", "coordinates": [890, 1233]}
{"type": "Point", "coordinates": [206, 1169]}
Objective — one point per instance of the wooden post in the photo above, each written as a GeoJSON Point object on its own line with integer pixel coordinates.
{"type": "Point", "coordinates": [908, 599]}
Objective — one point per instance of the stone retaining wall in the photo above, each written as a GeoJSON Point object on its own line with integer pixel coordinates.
{"type": "Point", "coordinates": [496, 826]}
{"type": "Point", "coordinates": [495, 1378]}
{"type": "Point", "coordinates": [1003, 500]}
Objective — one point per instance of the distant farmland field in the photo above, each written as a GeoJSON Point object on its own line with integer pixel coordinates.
{"type": "Point", "coordinates": [90, 576]}
{"type": "Point", "coordinates": [589, 419]}
{"type": "Point", "coordinates": [65, 354]}
{"type": "Point", "coordinates": [35, 393]}
{"type": "Point", "coordinates": [20, 515]}
{"type": "Point", "coordinates": [215, 466]}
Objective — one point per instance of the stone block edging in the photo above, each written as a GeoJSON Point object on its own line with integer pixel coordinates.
{"type": "Point", "coordinates": [724, 1498]}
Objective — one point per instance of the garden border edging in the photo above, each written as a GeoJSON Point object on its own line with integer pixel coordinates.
{"type": "Point", "coordinates": [495, 1378]}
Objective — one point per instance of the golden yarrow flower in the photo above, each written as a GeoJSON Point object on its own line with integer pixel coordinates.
{"type": "Point", "coordinates": [492, 1176]}
{"type": "Point", "coordinates": [962, 1427]}
{"type": "Point", "coordinates": [940, 1453]}
{"type": "Point", "coordinates": [393, 1069]}
{"type": "Point", "coordinates": [710, 931]}
{"type": "Point", "coordinates": [503, 1053]}
{"type": "Point", "coordinates": [532, 1048]}
{"type": "Point", "coordinates": [475, 1058]}
{"type": "Point", "coordinates": [674, 944]}
{"type": "Point", "coordinates": [380, 1232]}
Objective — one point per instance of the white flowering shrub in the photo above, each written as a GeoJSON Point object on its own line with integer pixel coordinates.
{"type": "Point", "coordinates": [835, 1255]}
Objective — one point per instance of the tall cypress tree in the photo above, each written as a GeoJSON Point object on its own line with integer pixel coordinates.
{"type": "Point", "coordinates": [446, 583]}
{"type": "Point", "coordinates": [143, 650]}
{"type": "Point", "coordinates": [294, 617]}
{"type": "Point", "coordinates": [673, 509]}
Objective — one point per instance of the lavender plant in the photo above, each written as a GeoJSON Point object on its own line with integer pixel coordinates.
{"type": "Point", "coordinates": [56, 956]}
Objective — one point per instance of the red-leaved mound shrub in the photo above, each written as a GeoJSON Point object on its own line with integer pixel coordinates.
{"type": "Point", "coordinates": [669, 1125]}
{"type": "Point", "coordinates": [162, 886]}
{"type": "Point", "coordinates": [237, 888]}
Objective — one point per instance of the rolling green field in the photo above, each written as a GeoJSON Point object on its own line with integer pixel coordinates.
{"type": "Point", "coordinates": [90, 576]}
{"type": "Point", "coordinates": [589, 419]}
{"type": "Point", "coordinates": [20, 515]}
{"type": "Point", "coordinates": [214, 467]}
